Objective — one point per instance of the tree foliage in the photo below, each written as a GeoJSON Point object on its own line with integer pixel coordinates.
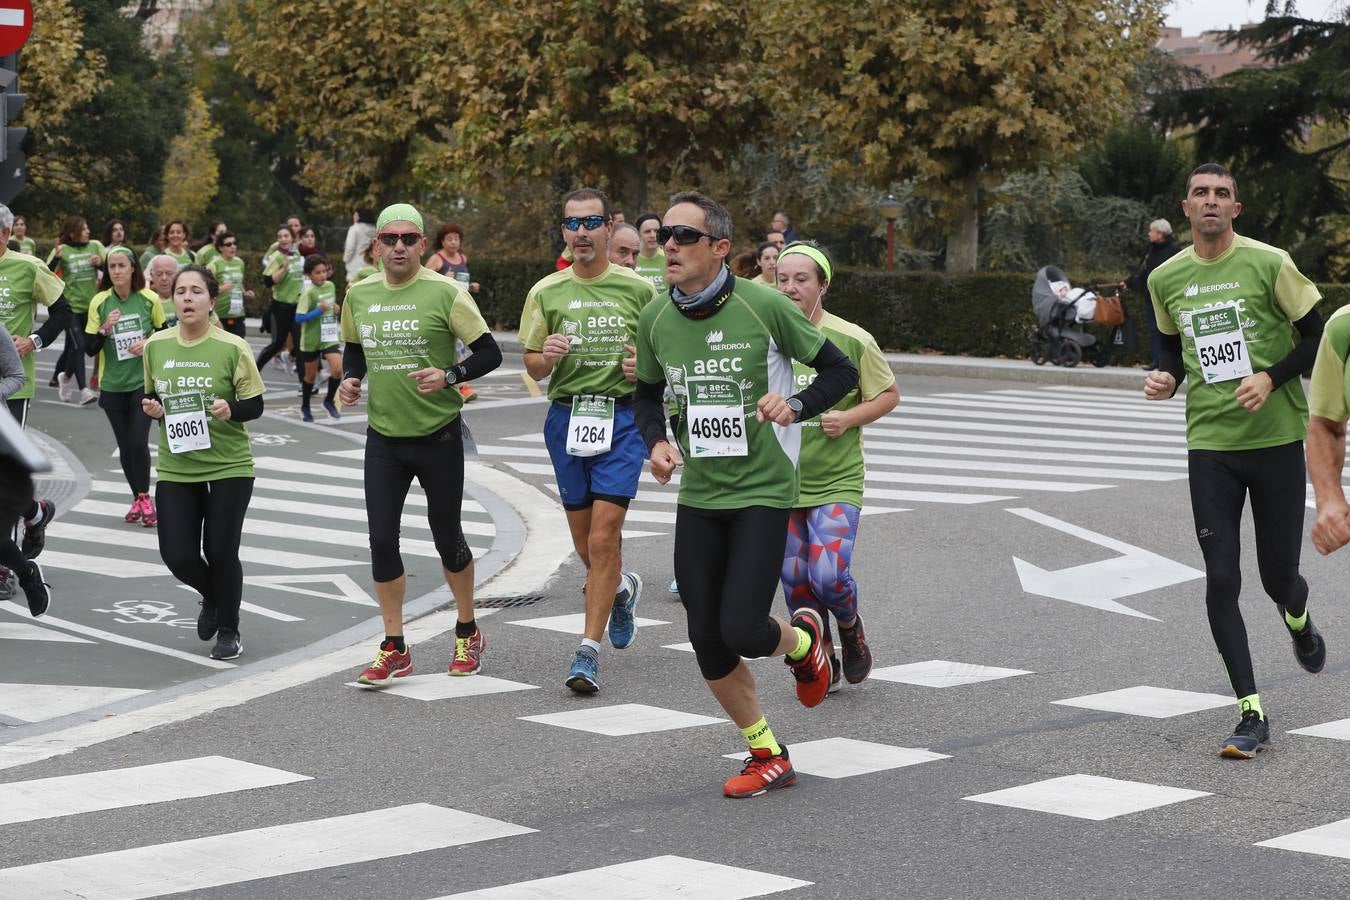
{"type": "Point", "coordinates": [191, 171]}
{"type": "Point", "coordinates": [1257, 121]}
{"type": "Point", "coordinates": [1138, 161]}
{"type": "Point", "coordinates": [88, 152]}
{"type": "Point", "coordinates": [959, 95]}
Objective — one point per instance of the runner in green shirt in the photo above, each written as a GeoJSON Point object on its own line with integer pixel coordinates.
{"type": "Point", "coordinates": [823, 524]}
{"type": "Point", "coordinates": [726, 346]}
{"type": "Point", "coordinates": [176, 243]}
{"type": "Point", "coordinates": [20, 233]}
{"type": "Point", "coordinates": [24, 284]}
{"type": "Point", "coordinates": [1227, 307]}
{"type": "Point", "coordinates": [202, 383]}
{"type": "Point", "coordinates": [228, 267]}
{"type": "Point", "coordinates": [580, 326]}
{"type": "Point", "coordinates": [402, 328]}
{"type": "Point", "coordinates": [1329, 403]}
{"type": "Point", "coordinates": [284, 269]}
{"type": "Point", "coordinates": [317, 313]}
{"type": "Point", "coordinates": [121, 317]}
{"type": "Point", "coordinates": [211, 249]}
{"type": "Point", "coordinates": [76, 259]}
{"type": "Point", "coordinates": [651, 259]}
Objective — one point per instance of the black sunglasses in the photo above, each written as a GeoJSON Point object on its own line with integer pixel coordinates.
{"type": "Point", "coordinates": [229, 244]}
{"type": "Point", "coordinates": [684, 235]}
{"type": "Point", "coordinates": [592, 223]}
{"type": "Point", "coordinates": [409, 239]}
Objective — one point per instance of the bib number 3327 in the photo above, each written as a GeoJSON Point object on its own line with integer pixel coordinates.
{"type": "Point", "coordinates": [1220, 345]}
{"type": "Point", "coordinates": [590, 430]}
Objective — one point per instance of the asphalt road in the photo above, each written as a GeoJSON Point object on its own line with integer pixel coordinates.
{"type": "Point", "coordinates": [1031, 547]}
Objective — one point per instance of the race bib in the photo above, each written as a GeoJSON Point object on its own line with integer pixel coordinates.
{"type": "Point", "coordinates": [328, 329]}
{"type": "Point", "coordinates": [1220, 344]}
{"type": "Point", "coordinates": [126, 332]}
{"type": "Point", "coordinates": [462, 278]}
{"type": "Point", "coordinates": [590, 431]}
{"type": "Point", "coordinates": [236, 301]}
{"type": "Point", "coordinates": [716, 418]}
{"type": "Point", "coordinates": [185, 422]}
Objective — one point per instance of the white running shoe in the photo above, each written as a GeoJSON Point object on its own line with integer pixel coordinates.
{"type": "Point", "coordinates": [64, 390]}
{"type": "Point", "coordinates": [87, 396]}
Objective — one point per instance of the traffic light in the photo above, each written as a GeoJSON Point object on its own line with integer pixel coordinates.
{"type": "Point", "coordinates": [13, 165]}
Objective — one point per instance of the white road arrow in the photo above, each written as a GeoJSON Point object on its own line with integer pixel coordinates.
{"type": "Point", "coordinates": [1100, 584]}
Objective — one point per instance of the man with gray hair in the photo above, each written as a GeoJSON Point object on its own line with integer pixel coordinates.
{"type": "Point", "coordinates": [27, 282]}
{"type": "Point", "coordinates": [1162, 246]}
{"type": "Point", "coordinates": [624, 244]}
{"type": "Point", "coordinates": [159, 276]}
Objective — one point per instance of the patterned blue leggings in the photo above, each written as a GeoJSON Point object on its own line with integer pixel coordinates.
{"type": "Point", "coordinates": [816, 561]}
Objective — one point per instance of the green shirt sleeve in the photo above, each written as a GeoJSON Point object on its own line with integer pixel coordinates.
{"type": "Point", "coordinates": [47, 286]}
{"type": "Point", "coordinates": [95, 313]}
{"type": "Point", "coordinates": [1165, 323]}
{"type": "Point", "coordinates": [1294, 293]}
{"type": "Point", "coordinates": [1326, 394]}
{"type": "Point", "coordinates": [248, 382]}
{"type": "Point", "coordinates": [874, 373]}
{"type": "Point", "coordinates": [533, 328]}
{"type": "Point", "coordinates": [348, 326]}
{"type": "Point", "coordinates": [466, 321]}
{"type": "Point", "coordinates": [157, 318]}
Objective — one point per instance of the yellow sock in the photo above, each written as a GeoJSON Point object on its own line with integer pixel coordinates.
{"type": "Point", "coordinates": [760, 736]}
{"type": "Point", "coordinates": [798, 653]}
{"type": "Point", "coordinates": [1251, 702]}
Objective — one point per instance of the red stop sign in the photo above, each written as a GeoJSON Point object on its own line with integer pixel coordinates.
{"type": "Point", "coordinates": [16, 23]}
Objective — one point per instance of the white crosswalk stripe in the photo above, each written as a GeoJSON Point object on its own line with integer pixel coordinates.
{"type": "Point", "coordinates": [968, 448]}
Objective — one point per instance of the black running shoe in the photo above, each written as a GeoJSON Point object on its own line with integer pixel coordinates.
{"type": "Point", "coordinates": [9, 584]}
{"type": "Point", "coordinates": [206, 621]}
{"type": "Point", "coordinates": [1250, 738]}
{"type": "Point", "coordinates": [857, 655]}
{"type": "Point", "coordinates": [228, 645]}
{"type": "Point", "coordinates": [35, 536]}
{"type": "Point", "coordinates": [1309, 648]}
{"type": "Point", "coordinates": [36, 589]}
{"type": "Point", "coordinates": [835, 669]}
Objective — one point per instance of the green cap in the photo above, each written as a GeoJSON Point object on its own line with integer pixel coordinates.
{"type": "Point", "coordinates": [396, 212]}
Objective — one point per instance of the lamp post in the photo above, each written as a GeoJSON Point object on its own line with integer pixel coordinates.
{"type": "Point", "coordinates": [889, 207]}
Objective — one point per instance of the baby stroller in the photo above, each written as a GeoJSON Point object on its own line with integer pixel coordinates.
{"type": "Point", "coordinates": [1062, 312]}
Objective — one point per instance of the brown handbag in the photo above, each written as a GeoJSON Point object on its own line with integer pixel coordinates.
{"type": "Point", "coordinates": [1110, 312]}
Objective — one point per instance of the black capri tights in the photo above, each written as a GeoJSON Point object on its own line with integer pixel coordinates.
{"type": "Point", "coordinates": [283, 320]}
{"type": "Point", "coordinates": [131, 428]}
{"type": "Point", "coordinates": [1221, 480]}
{"type": "Point", "coordinates": [727, 563]}
{"type": "Point", "coordinates": [436, 460]}
{"type": "Point", "coordinates": [206, 517]}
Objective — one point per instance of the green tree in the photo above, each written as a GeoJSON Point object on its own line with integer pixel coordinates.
{"type": "Point", "coordinates": [956, 95]}
{"type": "Point", "coordinates": [192, 171]}
{"type": "Point", "coordinates": [92, 159]}
{"type": "Point", "coordinates": [1138, 160]}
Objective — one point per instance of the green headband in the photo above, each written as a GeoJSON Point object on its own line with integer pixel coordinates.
{"type": "Point", "coordinates": [118, 248]}
{"type": "Point", "coordinates": [396, 212]}
{"type": "Point", "coordinates": [810, 253]}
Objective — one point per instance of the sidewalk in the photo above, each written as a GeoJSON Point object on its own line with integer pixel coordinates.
{"type": "Point", "coordinates": [938, 366]}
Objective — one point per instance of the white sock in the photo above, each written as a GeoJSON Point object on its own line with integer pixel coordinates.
{"type": "Point", "coordinates": [594, 645]}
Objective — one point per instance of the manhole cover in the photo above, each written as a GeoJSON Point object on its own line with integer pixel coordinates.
{"type": "Point", "coordinates": [509, 602]}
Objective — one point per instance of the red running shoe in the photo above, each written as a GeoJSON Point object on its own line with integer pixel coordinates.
{"type": "Point", "coordinates": [468, 653]}
{"type": "Point", "coordinates": [763, 772]}
{"type": "Point", "coordinates": [812, 671]}
{"type": "Point", "coordinates": [149, 518]}
{"type": "Point", "coordinates": [388, 665]}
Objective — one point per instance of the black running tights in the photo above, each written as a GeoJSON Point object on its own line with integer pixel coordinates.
{"type": "Point", "coordinates": [283, 319]}
{"type": "Point", "coordinates": [205, 517]}
{"type": "Point", "coordinates": [1221, 480]}
{"type": "Point", "coordinates": [727, 562]}
{"type": "Point", "coordinates": [131, 428]}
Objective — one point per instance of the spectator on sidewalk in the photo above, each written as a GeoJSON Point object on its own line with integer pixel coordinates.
{"type": "Point", "coordinates": [781, 222]}
{"type": "Point", "coordinates": [1162, 246]}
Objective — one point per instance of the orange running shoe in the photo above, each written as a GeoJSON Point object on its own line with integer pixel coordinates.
{"type": "Point", "coordinates": [388, 665]}
{"type": "Point", "coordinates": [763, 772]}
{"type": "Point", "coordinates": [812, 671]}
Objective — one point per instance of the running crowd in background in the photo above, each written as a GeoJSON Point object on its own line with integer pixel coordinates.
{"type": "Point", "coordinates": [664, 350]}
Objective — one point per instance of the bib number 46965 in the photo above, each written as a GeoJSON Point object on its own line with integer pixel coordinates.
{"type": "Point", "coordinates": [717, 427]}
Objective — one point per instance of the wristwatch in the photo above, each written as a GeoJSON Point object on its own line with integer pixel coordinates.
{"type": "Point", "coordinates": [37, 341]}
{"type": "Point", "coordinates": [451, 377]}
{"type": "Point", "coordinates": [796, 406]}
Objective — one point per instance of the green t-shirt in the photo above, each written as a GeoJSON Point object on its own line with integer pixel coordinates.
{"type": "Point", "coordinates": [150, 253]}
{"type": "Point", "coordinates": [218, 364]}
{"type": "Point", "coordinates": [599, 314]}
{"type": "Point", "coordinates": [141, 316]}
{"type": "Point", "coordinates": [653, 268]}
{"type": "Point", "coordinates": [311, 332]}
{"type": "Point", "coordinates": [1328, 393]}
{"type": "Point", "coordinates": [184, 258]}
{"type": "Point", "coordinates": [25, 281]}
{"type": "Point", "coordinates": [1270, 294]}
{"type": "Point", "coordinates": [745, 349]}
{"type": "Point", "coordinates": [207, 253]}
{"type": "Point", "coordinates": [832, 469]}
{"type": "Point", "coordinates": [78, 271]}
{"type": "Point", "coordinates": [27, 245]}
{"type": "Point", "coordinates": [229, 304]}
{"type": "Point", "coordinates": [365, 272]}
{"type": "Point", "coordinates": [403, 328]}
{"type": "Point", "coordinates": [288, 290]}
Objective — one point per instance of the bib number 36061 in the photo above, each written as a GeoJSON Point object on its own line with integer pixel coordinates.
{"type": "Point", "coordinates": [185, 423]}
{"type": "Point", "coordinates": [716, 418]}
{"type": "Point", "coordinates": [590, 430]}
{"type": "Point", "coordinates": [1220, 344]}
